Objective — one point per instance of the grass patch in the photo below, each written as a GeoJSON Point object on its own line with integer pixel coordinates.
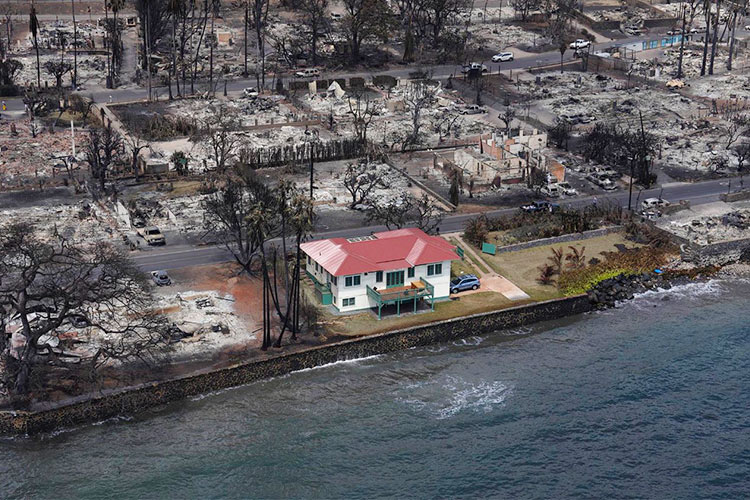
{"type": "Point", "coordinates": [459, 267]}
{"type": "Point", "coordinates": [366, 323]}
{"type": "Point", "coordinates": [522, 266]}
{"type": "Point", "coordinates": [468, 257]}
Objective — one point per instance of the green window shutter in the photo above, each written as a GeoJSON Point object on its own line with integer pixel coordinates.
{"type": "Point", "coordinates": [410, 272]}
{"type": "Point", "coordinates": [348, 281]}
{"type": "Point", "coordinates": [357, 280]}
{"type": "Point", "coordinates": [438, 268]}
{"type": "Point", "coordinates": [379, 277]}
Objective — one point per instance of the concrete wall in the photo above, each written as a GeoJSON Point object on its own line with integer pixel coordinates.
{"type": "Point", "coordinates": [137, 399]}
{"type": "Point", "coordinates": [559, 239]}
{"type": "Point", "coordinates": [717, 254]}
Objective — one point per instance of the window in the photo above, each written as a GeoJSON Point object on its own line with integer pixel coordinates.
{"type": "Point", "coordinates": [335, 281]}
{"type": "Point", "coordinates": [317, 267]}
{"type": "Point", "coordinates": [309, 260]}
{"type": "Point", "coordinates": [348, 302]}
{"type": "Point", "coordinates": [410, 272]}
{"type": "Point", "coordinates": [379, 277]}
{"type": "Point", "coordinates": [352, 280]}
{"type": "Point", "coordinates": [434, 269]}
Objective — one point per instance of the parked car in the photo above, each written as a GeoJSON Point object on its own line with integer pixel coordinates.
{"type": "Point", "coordinates": [601, 180]}
{"type": "Point", "coordinates": [307, 73]}
{"type": "Point", "coordinates": [474, 67]}
{"type": "Point", "coordinates": [152, 235]}
{"type": "Point", "coordinates": [651, 203]}
{"type": "Point", "coordinates": [567, 189]}
{"type": "Point", "coordinates": [551, 190]}
{"type": "Point", "coordinates": [540, 206]}
{"type": "Point", "coordinates": [473, 109]}
{"type": "Point", "coordinates": [502, 57]}
{"type": "Point", "coordinates": [465, 282]}
{"type": "Point", "coordinates": [161, 278]}
{"type": "Point", "coordinates": [250, 92]}
{"type": "Point", "coordinates": [609, 172]}
{"type": "Point", "coordinates": [580, 44]}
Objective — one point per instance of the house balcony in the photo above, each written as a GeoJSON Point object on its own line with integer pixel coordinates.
{"type": "Point", "coordinates": [410, 293]}
{"type": "Point", "coordinates": [322, 290]}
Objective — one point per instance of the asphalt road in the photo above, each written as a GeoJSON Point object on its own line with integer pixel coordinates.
{"type": "Point", "coordinates": [15, 104]}
{"type": "Point", "coordinates": [167, 258]}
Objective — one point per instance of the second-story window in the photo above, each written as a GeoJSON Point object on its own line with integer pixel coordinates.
{"type": "Point", "coordinates": [352, 280]}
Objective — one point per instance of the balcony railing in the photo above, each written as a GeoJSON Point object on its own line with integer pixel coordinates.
{"type": "Point", "coordinates": [414, 291]}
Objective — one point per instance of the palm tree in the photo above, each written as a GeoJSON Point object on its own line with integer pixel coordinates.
{"type": "Point", "coordinates": [34, 29]}
{"type": "Point", "coordinates": [175, 8]}
{"type": "Point", "coordinates": [115, 5]}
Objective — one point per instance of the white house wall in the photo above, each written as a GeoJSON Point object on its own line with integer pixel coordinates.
{"type": "Point", "coordinates": [340, 291]}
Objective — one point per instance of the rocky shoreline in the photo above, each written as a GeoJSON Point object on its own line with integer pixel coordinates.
{"type": "Point", "coordinates": [609, 292]}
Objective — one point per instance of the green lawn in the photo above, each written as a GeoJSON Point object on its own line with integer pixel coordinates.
{"type": "Point", "coordinates": [522, 267]}
{"type": "Point", "coordinates": [365, 323]}
{"type": "Point", "coordinates": [469, 260]}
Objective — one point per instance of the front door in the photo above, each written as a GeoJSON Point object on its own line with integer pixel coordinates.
{"type": "Point", "coordinates": [395, 278]}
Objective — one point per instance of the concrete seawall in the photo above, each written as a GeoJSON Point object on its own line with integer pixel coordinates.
{"type": "Point", "coordinates": [136, 399]}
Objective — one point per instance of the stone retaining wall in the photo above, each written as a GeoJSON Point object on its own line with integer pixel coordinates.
{"type": "Point", "coordinates": [136, 399]}
{"type": "Point", "coordinates": [716, 254]}
{"type": "Point", "coordinates": [559, 239]}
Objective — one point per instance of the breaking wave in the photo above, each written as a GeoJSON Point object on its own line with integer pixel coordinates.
{"type": "Point", "coordinates": [352, 361]}
{"type": "Point", "coordinates": [453, 395]}
{"type": "Point", "coordinates": [686, 292]}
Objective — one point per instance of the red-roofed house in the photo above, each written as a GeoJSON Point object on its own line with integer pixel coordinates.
{"type": "Point", "coordinates": [393, 267]}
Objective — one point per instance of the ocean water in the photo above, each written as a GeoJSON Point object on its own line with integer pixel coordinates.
{"type": "Point", "coordinates": [649, 400]}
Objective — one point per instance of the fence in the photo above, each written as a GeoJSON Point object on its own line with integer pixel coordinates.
{"type": "Point", "coordinates": [277, 156]}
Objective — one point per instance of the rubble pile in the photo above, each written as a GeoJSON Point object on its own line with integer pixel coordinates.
{"type": "Point", "coordinates": [496, 37]}
{"type": "Point", "coordinates": [151, 208]}
{"type": "Point", "coordinates": [689, 139]}
{"type": "Point", "coordinates": [631, 16]}
{"type": "Point", "coordinates": [704, 230]}
{"type": "Point", "coordinates": [27, 160]}
{"type": "Point", "coordinates": [84, 222]}
{"type": "Point", "coordinates": [248, 111]}
{"type": "Point", "coordinates": [726, 86]}
{"type": "Point", "coordinates": [392, 122]}
{"type": "Point", "coordinates": [202, 321]}
{"type": "Point", "coordinates": [665, 68]}
{"type": "Point", "coordinates": [91, 69]}
{"type": "Point", "coordinates": [330, 189]}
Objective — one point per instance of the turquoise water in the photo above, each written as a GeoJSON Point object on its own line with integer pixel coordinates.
{"type": "Point", "coordinates": [650, 400]}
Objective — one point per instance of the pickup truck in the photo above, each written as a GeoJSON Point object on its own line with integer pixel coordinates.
{"type": "Point", "coordinates": [152, 235]}
{"type": "Point", "coordinates": [540, 206]}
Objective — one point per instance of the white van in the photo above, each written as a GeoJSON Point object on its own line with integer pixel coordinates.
{"type": "Point", "coordinates": [551, 190]}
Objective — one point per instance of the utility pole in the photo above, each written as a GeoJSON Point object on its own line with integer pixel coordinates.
{"type": "Point", "coordinates": [106, 43]}
{"type": "Point", "coordinates": [630, 189]}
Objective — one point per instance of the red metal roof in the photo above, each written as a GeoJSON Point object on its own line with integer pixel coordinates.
{"type": "Point", "coordinates": [386, 251]}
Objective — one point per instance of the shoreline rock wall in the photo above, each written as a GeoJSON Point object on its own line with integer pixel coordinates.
{"type": "Point", "coordinates": [137, 399]}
